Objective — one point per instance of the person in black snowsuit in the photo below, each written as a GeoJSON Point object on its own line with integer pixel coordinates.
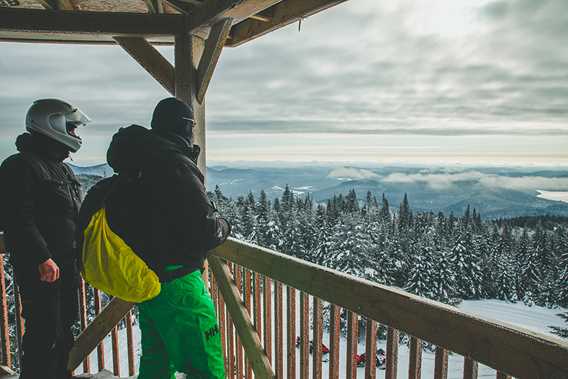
{"type": "Point", "coordinates": [159, 206]}
{"type": "Point", "coordinates": [40, 202]}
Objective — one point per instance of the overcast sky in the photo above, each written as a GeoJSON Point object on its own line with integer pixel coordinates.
{"type": "Point", "coordinates": [443, 81]}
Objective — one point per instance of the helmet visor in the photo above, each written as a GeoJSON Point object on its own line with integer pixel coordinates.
{"type": "Point", "coordinates": [77, 117]}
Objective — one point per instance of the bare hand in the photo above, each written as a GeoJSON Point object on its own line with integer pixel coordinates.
{"type": "Point", "coordinates": [48, 271]}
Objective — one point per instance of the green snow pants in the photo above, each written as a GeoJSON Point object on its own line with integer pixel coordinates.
{"type": "Point", "coordinates": [180, 332]}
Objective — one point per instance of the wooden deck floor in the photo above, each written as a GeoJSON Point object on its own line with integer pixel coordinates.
{"type": "Point", "coordinates": [101, 375]}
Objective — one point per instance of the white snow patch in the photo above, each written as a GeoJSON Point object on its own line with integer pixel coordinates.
{"type": "Point", "coordinates": [553, 195]}
{"type": "Point", "coordinates": [277, 188]}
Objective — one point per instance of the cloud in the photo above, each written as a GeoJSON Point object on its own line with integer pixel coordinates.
{"type": "Point", "coordinates": [447, 180]}
{"type": "Point", "coordinates": [447, 68]}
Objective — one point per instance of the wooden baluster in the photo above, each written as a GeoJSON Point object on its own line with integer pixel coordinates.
{"type": "Point", "coordinates": [130, 344]}
{"type": "Point", "coordinates": [392, 353]}
{"type": "Point", "coordinates": [238, 282]}
{"type": "Point", "coordinates": [279, 343]}
{"type": "Point", "coordinates": [257, 306]}
{"type": "Point", "coordinates": [100, 346]}
{"type": "Point", "coordinates": [83, 316]}
{"type": "Point", "coordinates": [267, 304]}
{"type": "Point", "coordinates": [247, 293]}
{"type": "Point", "coordinates": [317, 339]}
{"type": "Point", "coordinates": [19, 322]}
{"type": "Point", "coordinates": [291, 340]}
{"type": "Point", "coordinates": [371, 350]}
{"type": "Point", "coordinates": [115, 352]}
{"type": "Point", "coordinates": [441, 365]}
{"type": "Point", "coordinates": [223, 330]}
{"type": "Point", "coordinates": [304, 336]}
{"type": "Point", "coordinates": [352, 342]}
{"type": "Point", "coordinates": [334, 332]}
{"type": "Point", "coordinates": [230, 337]}
{"type": "Point", "coordinates": [4, 328]}
{"type": "Point", "coordinates": [501, 375]}
{"type": "Point", "coordinates": [415, 361]}
{"type": "Point", "coordinates": [469, 368]}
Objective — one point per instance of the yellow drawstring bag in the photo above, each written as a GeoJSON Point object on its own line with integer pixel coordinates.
{"type": "Point", "coordinates": [110, 265]}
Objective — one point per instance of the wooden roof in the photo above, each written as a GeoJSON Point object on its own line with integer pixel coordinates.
{"type": "Point", "coordinates": [99, 21]}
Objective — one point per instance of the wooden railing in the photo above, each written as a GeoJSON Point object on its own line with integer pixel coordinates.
{"type": "Point", "coordinates": [275, 288]}
{"type": "Point", "coordinates": [275, 311]}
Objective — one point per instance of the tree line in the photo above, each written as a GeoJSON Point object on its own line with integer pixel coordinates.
{"type": "Point", "coordinates": [448, 258]}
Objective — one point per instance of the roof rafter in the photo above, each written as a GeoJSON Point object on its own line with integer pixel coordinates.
{"type": "Point", "coordinates": [283, 14]}
{"type": "Point", "coordinates": [238, 10]}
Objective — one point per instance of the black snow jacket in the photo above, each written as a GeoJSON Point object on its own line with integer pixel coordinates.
{"type": "Point", "coordinates": [40, 199]}
{"type": "Point", "coordinates": [157, 203]}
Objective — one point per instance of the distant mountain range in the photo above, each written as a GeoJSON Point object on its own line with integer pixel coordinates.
{"type": "Point", "coordinates": [495, 192]}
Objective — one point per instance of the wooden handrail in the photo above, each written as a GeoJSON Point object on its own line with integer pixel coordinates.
{"type": "Point", "coordinates": [515, 351]}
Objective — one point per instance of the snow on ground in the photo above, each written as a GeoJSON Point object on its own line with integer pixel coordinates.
{"type": "Point", "coordinates": [554, 195]}
{"type": "Point", "coordinates": [535, 318]}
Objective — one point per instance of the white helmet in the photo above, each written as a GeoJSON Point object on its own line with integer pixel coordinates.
{"type": "Point", "coordinates": [57, 120]}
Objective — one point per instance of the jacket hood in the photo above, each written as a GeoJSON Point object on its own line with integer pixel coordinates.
{"type": "Point", "coordinates": [135, 147]}
{"type": "Point", "coordinates": [42, 146]}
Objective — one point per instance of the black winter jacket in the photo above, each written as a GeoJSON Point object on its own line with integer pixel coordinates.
{"type": "Point", "coordinates": [40, 199]}
{"type": "Point", "coordinates": [157, 203]}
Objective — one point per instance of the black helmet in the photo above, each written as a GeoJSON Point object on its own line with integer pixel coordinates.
{"type": "Point", "coordinates": [173, 116]}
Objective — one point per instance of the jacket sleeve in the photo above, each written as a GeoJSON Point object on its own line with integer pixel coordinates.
{"type": "Point", "coordinates": [213, 229]}
{"type": "Point", "coordinates": [24, 237]}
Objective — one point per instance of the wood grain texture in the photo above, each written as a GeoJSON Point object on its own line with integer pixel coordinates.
{"type": "Point", "coordinates": [282, 14]}
{"type": "Point", "coordinates": [518, 352]}
{"type": "Point", "coordinates": [213, 48]}
{"type": "Point", "coordinates": [247, 334]}
{"type": "Point", "coordinates": [470, 368]}
{"type": "Point", "coordinates": [371, 349]}
{"type": "Point", "coordinates": [83, 319]}
{"type": "Point", "coordinates": [267, 310]}
{"type": "Point", "coordinates": [304, 335]}
{"type": "Point", "coordinates": [441, 363]}
{"type": "Point", "coordinates": [279, 320]}
{"type": "Point", "coordinates": [100, 346]}
{"type": "Point", "coordinates": [97, 330]}
{"type": "Point", "coordinates": [352, 341]}
{"type": "Point", "coordinates": [334, 334]}
{"type": "Point", "coordinates": [151, 60]}
{"type": "Point", "coordinates": [291, 335]}
{"type": "Point", "coordinates": [392, 353]}
{"type": "Point", "coordinates": [317, 338]}
{"type": "Point", "coordinates": [415, 359]}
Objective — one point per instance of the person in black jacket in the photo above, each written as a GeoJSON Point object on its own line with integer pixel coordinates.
{"type": "Point", "coordinates": [40, 205]}
{"type": "Point", "coordinates": [159, 206]}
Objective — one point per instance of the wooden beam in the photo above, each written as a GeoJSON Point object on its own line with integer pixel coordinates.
{"type": "Point", "coordinates": [215, 10]}
{"type": "Point", "coordinates": [213, 47]}
{"type": "Point", "coordinates": [516, 351]}
{"type": "Point", "coordinates": [251, 341]}
{"type": "Point", "coordinates": [97, 330]}
{"type": "Point", "coordinates": [40, 23]}
{"type": "Point", "coordinates": [258, 17]}
{"type": "Point", "coordinates": [283, 14]}
{"type": "Point", "coordinates": [151, 60]}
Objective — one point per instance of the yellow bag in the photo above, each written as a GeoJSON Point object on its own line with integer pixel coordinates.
{"type": "Point", "coordinates": [110, 265]}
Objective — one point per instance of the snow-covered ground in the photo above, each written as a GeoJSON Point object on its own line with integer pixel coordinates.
{"type": "Point", "coordinates": [554, 195]}
{"type": "Point", "coordinates": [537, 319]}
